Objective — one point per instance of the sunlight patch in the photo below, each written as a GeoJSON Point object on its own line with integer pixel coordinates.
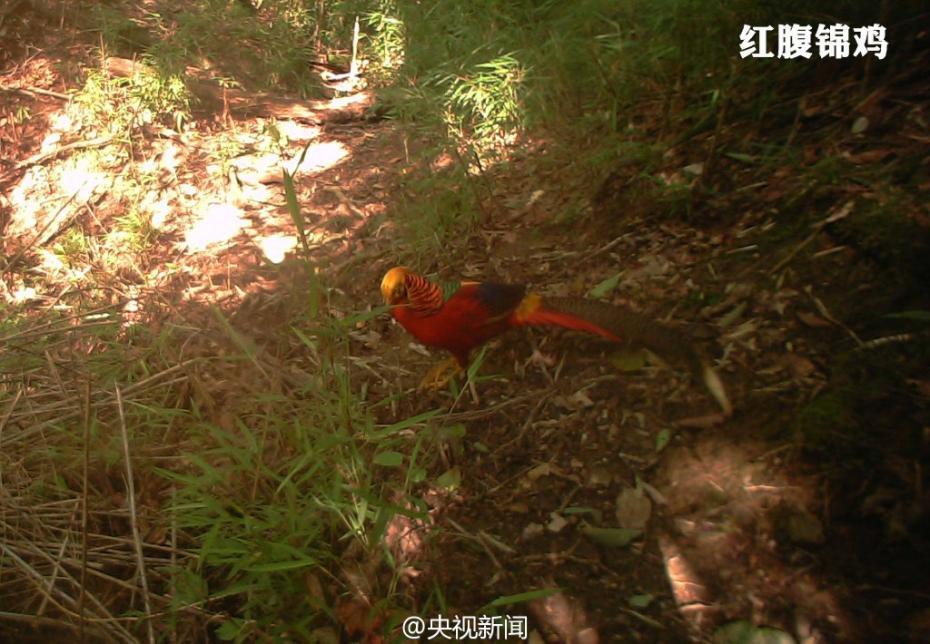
{"type": "Point", "coordinates": [80, 180]}
{"type": "Point", "coordinates": [25, 294]}
{"type": "Point", "coordinates": [25, 212]}
{"type": "Point", "coordinates": [50, 142]}
{"type": "Point", "coordinates": [221, 222]}
{"type": "Point", "coordinates": [148, 167]}
{"type": "Point", "coordinates": [171, 158]}
{"type": "Point", "coordinates": [276, 247]}
{"type": "Point", "coordinates": [297, 132]}
{"type": "Point", "coordinates": [62, 122]}
{"type": "Point", "coordinates": [159, 212]}
{"type": "Point", "coordinates": [320, 156]}
{"type": "Point", "coordinates": [50, 263]}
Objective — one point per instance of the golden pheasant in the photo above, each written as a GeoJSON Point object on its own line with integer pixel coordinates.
{"type": "Point", "coordinates": [462, 317]}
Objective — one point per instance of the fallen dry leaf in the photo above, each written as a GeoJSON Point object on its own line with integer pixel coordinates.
{"type": "Point", "coordinates": [565, 618]}
{"type": "Point", "coordinates": [813, 320]}
{"type": "Point", "coordinates": [557, 522]}
{"type": "Point", "coordinates": [633, 508]}
{"type": "Point", "coordinates": [800, 366]}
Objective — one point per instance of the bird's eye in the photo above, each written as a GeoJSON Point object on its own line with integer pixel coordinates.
{"type": "Point", "coordinates": [400, 292]}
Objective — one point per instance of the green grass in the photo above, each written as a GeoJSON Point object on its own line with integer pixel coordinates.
{"type": "Point", "coordinates": [259, 482]}
{"type": "Point", "coordinates": [274, 44]}
{"type": "Point", "coordinates": [386, 39]}
{"type": "Point", "coordinates": [71, 246]}
{"type": "Point", "coordinates": [287, 489]}
{"type": "Point", "coordinates": [597, 75]}
{"type": "Point", "coordinates": [434, 210]}
{"type": "Point", "coordinates": [120, 104]}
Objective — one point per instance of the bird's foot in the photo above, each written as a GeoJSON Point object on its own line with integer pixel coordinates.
{"type": "Point", "coordinates": [440, 375]}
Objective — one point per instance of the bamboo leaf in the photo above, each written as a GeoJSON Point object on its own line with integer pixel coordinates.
{"type": "Point", "coordinates": [388, 459]}
{"type": "Point", "coordinates": [605, 287]}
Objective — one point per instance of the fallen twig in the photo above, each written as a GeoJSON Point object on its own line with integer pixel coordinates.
{"type": "Point", "coordinates": [885, 340]}
{"type": "Point", "coordinates": [84, 495]}
{"type": "Point", "coordinates": [30, 91]}
{"type": "Point", "coordinates": [134, 520]}
{"type": "Point", "coordinates": [36, 159]}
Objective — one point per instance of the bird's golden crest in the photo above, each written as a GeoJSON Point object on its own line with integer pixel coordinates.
{"type": "Point", "coordinates": [394, 285]}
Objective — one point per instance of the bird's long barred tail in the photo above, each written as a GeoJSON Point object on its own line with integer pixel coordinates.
{"type": "Point", "coordinates": [630, 326]}
{"type": "Point", "coordinates": [424, 296]}
{"type": "Point", "coordinates": [621, 323]}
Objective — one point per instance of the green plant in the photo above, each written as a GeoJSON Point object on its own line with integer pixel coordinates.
{"type": "Point", "coordinates": [120, 104]}
{"type": "Point", "coordinates": [137, 225]}
{"type": "Point", "coordinates": [120, 33]}
{"type": "Point", "coordinates": [22, 114]}
{"type": "Point", "coordinates": [386, 37]}
{"type": "Point", "coordinates": [71, 246]}
{"type": "Point", "coordinates": [434, 209]}
{"type": "Point", "coordinates": [227, 147]}
{"type": "Point", "coordinates": [484, 103]}
{"type": "Point", "coordinates": [288, 487]}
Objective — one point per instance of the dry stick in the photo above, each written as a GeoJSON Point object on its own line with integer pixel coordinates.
{"type": "Point", "coordinates": [486, 411]}
{"type": "Point", "coordinates": [57, 563]}
{"type": "Point", "coordinates": [113, 622]}
{"type": "Point", "coordinates": [6, 418]}
{"type": "Point", "coordinates": [822, 309]}
{"type": "Point", "coordinates": [93, 570]}
{"type": "Point", "coordinates": [63, 323]}
{"type": "Point", "coordinates": [797, 122]}
{"type": "Point", "coordinates": [467, 535]}
{"type": "Point", "coordinates": [53, 372]}
{"type": "Point", "coordinates": [606, 247]}
{"type": "Point", "coordinates": [840, 213]}
{"type": "Point", "coordinates": [529, 420]}
{"type": "Point", "coordinates": [885, 340]}
{"type": "Point", "coordinates": [29, 91]}
{"type": "Point", "coordinates": [84, 509]}
{"type": "Point", "coordinates": [174, 559]}
{"type": "Point", "coordinates": [47, 622]}
{"type": "Point", "coordinates": [36, 159]}
{"type": "Point", "coordinates": [117, 559]}
{"type": "Point", "coordinates": [110, 579]}
{"type": "Point", "coordinates": [131, 490]}
{"type": "Point", "coordinates": [63, 598]}
{"type": "Point", "coordinates": [134, 388]}
{"type": "Point", "coordinates": [712, 156]}
{"type": "Point", "coordinates": [797, 249]}
{"type": "Point", "coordinates": [587, 255]}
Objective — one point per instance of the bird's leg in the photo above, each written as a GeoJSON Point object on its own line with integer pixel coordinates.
{"type": "Point", "coordinates": [540, 360]}
{"type": "Point", "coordinates": [440, 375]}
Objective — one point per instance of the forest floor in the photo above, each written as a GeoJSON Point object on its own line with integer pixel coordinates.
{"type": "Point", "coordinates": [571, 470]}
